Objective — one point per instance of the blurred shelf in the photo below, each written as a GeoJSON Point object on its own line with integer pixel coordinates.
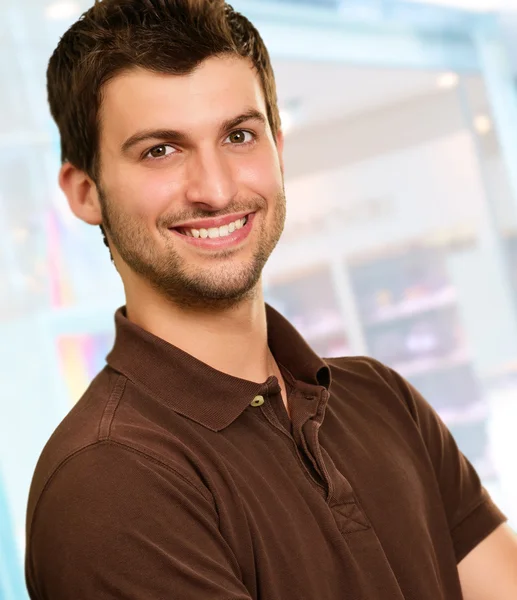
{"type": "Point", "coordinates": [444, 298]}
{"type": "Point", "coordinates": [320, 329]}
{"type": "Point", "coordinates": [425, 365]}
{"type": "Point", "coordinates": [282, 276]}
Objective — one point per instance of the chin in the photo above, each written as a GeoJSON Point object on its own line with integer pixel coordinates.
{"type": "Point", "coordinates": [216, 290]}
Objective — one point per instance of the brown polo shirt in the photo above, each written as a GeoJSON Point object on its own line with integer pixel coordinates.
{"type": "Point", "coordinates": [172, 480]}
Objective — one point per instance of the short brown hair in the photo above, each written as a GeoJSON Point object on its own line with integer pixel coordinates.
{"type": "Point", "coordinates": [165, 36]}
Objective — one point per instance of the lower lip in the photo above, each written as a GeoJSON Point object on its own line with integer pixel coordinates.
{"type": "Point", "coordinates": [220, 243]}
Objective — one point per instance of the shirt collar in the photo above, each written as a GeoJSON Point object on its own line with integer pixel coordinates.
{"type": "Point", "coordinates": [198, 391]}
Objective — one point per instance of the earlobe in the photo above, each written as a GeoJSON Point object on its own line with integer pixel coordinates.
{"type": "Point", "coordinates": [81, 193]}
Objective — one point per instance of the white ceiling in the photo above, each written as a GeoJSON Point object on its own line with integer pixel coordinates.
{"type": "Point", "coordinates": [318, 92]}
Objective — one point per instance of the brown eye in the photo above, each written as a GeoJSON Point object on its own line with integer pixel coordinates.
{"type": "Point", "coordinates": [160, 151]}
{"type": "Point", "coordinates": [240, 137]}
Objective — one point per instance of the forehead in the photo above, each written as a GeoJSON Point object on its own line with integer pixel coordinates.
{"type": "Point", "coordinates": [218, 89]}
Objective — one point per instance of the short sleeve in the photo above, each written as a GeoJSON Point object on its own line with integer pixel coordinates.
{"type": "Point", "coordinates": [471, 513]}
{"type": "Point", "coordinates": [113, 523]}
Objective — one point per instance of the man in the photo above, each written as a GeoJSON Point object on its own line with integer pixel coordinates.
{"type": "Point", "coordinates": [216, 456]}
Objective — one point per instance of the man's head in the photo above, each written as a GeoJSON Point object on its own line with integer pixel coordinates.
{"type": "Point", "coordinates": [168, 117]}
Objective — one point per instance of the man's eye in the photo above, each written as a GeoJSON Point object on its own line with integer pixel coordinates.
{"type": "Point", "coordinates": [240, 137]}
{"type": "Point", "coordinates": [160, 151]}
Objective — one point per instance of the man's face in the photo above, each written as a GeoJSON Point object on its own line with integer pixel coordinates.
{"type": "Point", "coordinates": [191, 181]}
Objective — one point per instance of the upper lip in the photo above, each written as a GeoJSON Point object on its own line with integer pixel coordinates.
{"type": "Point", "coordinates": [209, 223]}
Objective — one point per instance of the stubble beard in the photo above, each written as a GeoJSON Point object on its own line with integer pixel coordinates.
{"type": "Point", "coordinates": [218, 284]}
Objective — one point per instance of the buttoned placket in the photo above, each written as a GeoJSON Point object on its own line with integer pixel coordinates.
{"type": "Point", "coordinates": [267, 402]}
{"type": "Point", "coordinates": [351, 520]}
{"type": "Point", "coordinates": [318, 465]}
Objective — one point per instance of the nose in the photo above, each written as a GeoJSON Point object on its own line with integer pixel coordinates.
{"type": "Point", "coordinates": [211, 181]}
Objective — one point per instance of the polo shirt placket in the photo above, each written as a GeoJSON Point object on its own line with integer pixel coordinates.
{"type": "Point", "coordinates": [359, 538]}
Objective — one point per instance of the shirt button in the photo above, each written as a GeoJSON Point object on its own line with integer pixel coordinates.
{"type": "Point", "coordinates": [257, 401]}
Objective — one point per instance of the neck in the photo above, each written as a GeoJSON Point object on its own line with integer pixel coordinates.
{"type": "Point", "coordinates": [232, 340]}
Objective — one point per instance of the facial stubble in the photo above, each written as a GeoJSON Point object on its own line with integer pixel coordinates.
{"type": "Point", "coordinates": [220, 282]}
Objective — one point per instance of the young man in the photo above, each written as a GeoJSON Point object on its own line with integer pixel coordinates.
{"type": "Point", "coordinates": [216, 456]}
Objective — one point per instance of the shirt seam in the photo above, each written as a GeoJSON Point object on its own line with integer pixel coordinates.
{"type": "Point", "coordinates": [467, 514]}
{"type": "Point", "coordinates": [113, 400]}
{"type": "Point", "coordinates": [162, 464]}
{"type": "Point", "coordinates": [139, 384]}
{"type": "Point", "coordinates": [108, 415]}
{"type": "Point", "coordinates": [107, 442]}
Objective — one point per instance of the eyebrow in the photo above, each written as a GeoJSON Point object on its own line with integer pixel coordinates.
{"type": "Point", "coordinates": [180, 137]}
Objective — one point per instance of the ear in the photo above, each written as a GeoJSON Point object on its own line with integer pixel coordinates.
{"type": "Point", "coordinates": [81, 193]}
{"type": "Point", "coordinates": [280, 148]}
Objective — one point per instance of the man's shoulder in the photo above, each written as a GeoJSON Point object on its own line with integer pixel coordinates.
{"type": "Point", "coordinates": [361, 369]}
{"type": "Point", "coordinates": [364, 380]}
{"type": "Point", "coordinates": [83, 426]}
{"type": "Point", "coordinates": [114, 418]}
{"type": "Point", "coordinates": [86, 421]}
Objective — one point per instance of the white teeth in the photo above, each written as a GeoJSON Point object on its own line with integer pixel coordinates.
{"type": "Point", "coordinates": [216, 232]}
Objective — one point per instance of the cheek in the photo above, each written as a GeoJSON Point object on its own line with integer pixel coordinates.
{"type": "Point", "coordinates": [261, 175]}
{"type": "Point", "coordinates": [144, 193]}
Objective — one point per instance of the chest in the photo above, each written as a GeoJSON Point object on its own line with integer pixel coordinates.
{"type": "Point", "coordinates": [351, 511]}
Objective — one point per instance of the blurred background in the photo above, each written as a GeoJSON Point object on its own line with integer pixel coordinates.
{"type": "Point", "coordinates": [401, 237]}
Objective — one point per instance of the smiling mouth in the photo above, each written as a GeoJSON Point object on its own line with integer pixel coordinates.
{"type": "Point", "coordinates": [214, 232]}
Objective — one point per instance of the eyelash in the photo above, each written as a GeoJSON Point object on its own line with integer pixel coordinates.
{"type": "Point", "coordinates": [252, 141]}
